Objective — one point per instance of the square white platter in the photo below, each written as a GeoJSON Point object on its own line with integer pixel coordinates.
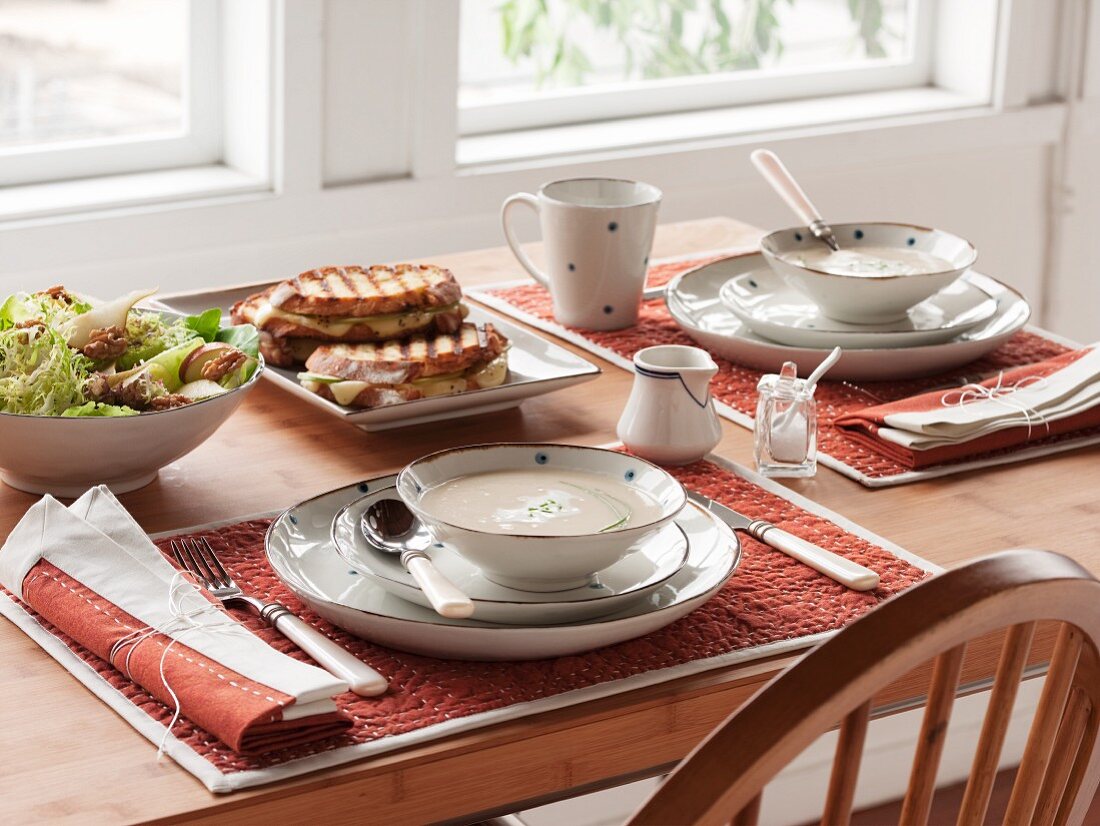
{"type": "Point", "coordinates": [535, 366]}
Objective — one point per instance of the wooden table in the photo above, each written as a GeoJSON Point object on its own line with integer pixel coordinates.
{"type": "Point", "coordinates": [63, 755]}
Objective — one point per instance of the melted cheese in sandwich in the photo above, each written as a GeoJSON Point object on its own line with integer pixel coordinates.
{"type": "Point", "coordinates": [486, 375]}
{"type": "Point", "coordinates": [384, 326]}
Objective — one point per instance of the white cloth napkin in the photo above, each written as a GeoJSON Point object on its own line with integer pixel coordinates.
{"type": "Point", "coordinates": [963, 416]}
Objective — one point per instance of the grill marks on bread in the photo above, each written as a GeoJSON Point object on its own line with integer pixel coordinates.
{"type": "Point", "coordinates": [357, 292]}
{"type": "Point", "coordinates": [253, 310]}
{"type": "Point", "coordinates": [397, 361]}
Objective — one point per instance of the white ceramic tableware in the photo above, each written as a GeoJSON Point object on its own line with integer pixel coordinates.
{"type": "Point", "coordinates": [694, 302]}
{"type": "Point", "coordinates": [66, 456]}
{"type": "Point", "coordinates": [597, 234]}
{"type": "Point", "coordinates": [669, 417]}
{"type": "Point", "coordinates": [299, 549]}
{"type": "Point", "coordinates": [630, 579]}
{"type": "Point", "coordinates": [772, 308]}
{"type": "Point", "coordinates": [535, 366]}
{"type": "Point", "coordinates": [868, 299]}
{"type": "Point", "coordinates": [541, 562]}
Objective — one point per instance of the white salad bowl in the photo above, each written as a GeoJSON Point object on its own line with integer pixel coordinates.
{"type": "Point", "coordinates": [540, 562]}
{"type": "Point", "coordinates": [66, 456]}
{"type": "Point", "coordinates": [867, 298]}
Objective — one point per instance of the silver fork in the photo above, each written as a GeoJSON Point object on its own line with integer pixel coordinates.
{"type": "Point", "coordinates": [199, 558]}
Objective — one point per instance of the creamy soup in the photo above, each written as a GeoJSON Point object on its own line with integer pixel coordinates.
{"type": "Point", "coordinates": [869, 260]}
{"type": "Point", "coordinates": [540, 503]}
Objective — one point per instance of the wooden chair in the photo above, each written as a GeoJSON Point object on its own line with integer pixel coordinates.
{"type": "Point", "coordinates": [723, 779]}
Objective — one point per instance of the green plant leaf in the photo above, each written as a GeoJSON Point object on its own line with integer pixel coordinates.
{"type": "Point", "coordinates": [206, 324]}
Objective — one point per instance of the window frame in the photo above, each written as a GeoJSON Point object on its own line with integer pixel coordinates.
{"type": "Point", "coordinates": [694, 92]}
{"type": "Point", "coordinates": [198, 142]}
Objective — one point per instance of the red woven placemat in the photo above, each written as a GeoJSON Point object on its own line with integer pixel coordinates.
{"type": "Point", "coordinates": [770, 599]}
{"type": "Point", "coordinates": [735, 385]}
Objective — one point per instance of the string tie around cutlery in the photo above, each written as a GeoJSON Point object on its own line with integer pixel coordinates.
{"type": "Point", "coordinates": [186, 604]}
{"type": "Point", "coordinates": [1002, 394]}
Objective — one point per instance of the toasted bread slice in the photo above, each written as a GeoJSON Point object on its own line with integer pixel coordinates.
{"type": "Point", "coordinates": [361, 395]}
{"type": "Point", "coordinates": [399, 361]}
{"type": "Point", "coordinates": [359, 292]}
{"type": "Point", "coordinates": [257, 310]}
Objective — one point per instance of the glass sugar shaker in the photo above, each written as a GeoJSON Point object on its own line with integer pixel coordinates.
{"type": "Point", "coordinates": [785, 434]}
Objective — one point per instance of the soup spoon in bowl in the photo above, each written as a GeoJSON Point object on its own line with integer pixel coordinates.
{"type": "Point", "coordinates": [390, 527]}
{"type": "Point", "coordinates": [783, 182]}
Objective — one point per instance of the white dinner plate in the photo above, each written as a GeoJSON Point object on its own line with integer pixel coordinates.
{"type": "Point", "coordinates": [631, 578]}
{"type": "Point", "coordinates": [775, 310]}
{"type": "Point", "coordinates": [299, 549]}
{"type": "Point", "coordinates": [694, 301]}
{"type": "Point", "coordinates": [535, 366]}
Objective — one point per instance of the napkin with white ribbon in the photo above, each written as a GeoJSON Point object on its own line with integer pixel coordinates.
{"type": "Point", "coordinates": [93, 573]}
{"type": "Point", "coordinates": [1056, 396]}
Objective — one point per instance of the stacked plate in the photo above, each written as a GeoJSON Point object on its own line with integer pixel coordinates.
{"type": "Point", "coordinates": [320, 553]}
{"type": "Point", "coordinates": [743, 310]}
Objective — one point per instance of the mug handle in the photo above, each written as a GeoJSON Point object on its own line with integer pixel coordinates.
{"type": "Point", "coordinates": [513, 242]}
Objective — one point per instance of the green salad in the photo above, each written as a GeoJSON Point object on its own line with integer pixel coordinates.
{"type": "Point", "coordinates": [63, 355]}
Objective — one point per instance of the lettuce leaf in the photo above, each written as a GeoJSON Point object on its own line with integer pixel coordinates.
{"type": "Point", "coordinates": [149, 335]}
{"type": "Point", "coordinates": [39, 374]}
{"type": "Point", "coordinates": [244, 337]}
{"type": "Point", "coordinates": [19, 307]}
{"type": "Point", "coordinates": [206, 324]}
{"type": "Point", "coordinates": [99, 409]}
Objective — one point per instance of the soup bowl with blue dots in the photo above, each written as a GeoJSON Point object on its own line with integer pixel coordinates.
{"type": "Point", "coordinates": [507, 509]}
{"type": "Point", "coordinates": [887, 254]}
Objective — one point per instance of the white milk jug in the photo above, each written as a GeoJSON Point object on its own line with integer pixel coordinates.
{"type": "Point", "coordinates": [670, 417]}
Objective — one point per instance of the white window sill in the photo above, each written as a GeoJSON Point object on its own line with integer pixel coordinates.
{"type": "Point", "coordinates": [745, 121]}
{"type": "Point", "coordinates": [78, 197]}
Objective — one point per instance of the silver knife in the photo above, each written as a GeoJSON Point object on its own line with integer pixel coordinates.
{"type": "Point", "coordinates": [832, 565]}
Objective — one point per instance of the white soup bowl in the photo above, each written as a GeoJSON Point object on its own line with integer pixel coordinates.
{"type": "Point", "coordinates": [868, 299]}
{"type": "Point", "coordinates": [538, 562]}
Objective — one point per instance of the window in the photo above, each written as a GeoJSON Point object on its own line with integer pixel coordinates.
{"type": "Point", "coordinates": [95, 87]}
{"type": "Point", "coordinates": [529, 63]}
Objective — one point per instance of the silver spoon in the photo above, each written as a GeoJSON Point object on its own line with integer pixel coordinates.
{"type": "Point", "coordinates": [783, 182]}
{"type": "Point", "coordinates": [392, 528]}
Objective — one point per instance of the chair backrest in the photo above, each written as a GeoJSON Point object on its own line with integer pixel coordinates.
{"type": "Point", "coordinates": [723, 779]}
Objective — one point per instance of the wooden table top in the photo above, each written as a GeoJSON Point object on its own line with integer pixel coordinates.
{"type": "Point", "coordinates": [65, 756]}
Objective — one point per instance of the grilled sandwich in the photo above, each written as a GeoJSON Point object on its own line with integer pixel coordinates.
{"type": "Point", "coordinates": [375, 374]}
{"type": "Point", "coordinates": [351, 304]}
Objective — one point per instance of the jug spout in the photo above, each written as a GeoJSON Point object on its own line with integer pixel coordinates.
{"type": "Point", "coordinates": [695, 367]}
{"type": "Point", "coordinates": [697, 379]}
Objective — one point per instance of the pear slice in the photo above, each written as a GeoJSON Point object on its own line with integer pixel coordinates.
{"type": "Point", "coordinates": [111, 314]}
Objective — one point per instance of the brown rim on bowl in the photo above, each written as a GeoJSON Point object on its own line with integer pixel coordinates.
{"type": "Point", "coordinates": [488, 445]}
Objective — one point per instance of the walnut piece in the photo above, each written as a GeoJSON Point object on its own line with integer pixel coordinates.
{"type": "Point", "coordinates": [106, 344]}
{"type": "Point", "coordinates": [139, 391]}
{"type": "Point", "coordinates": [169, 401]}
{"type": "Point", "coordinates": [228, 361]}
{"type": "Point", "coordinates": [57, 293]}
{"type": "Point", "coordinates": [98, 389]}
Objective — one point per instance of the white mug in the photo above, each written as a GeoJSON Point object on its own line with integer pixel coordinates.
{"type": "Point", "coordinates": [597, 233]}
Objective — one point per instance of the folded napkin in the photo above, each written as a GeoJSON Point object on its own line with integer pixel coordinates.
{"type": "Point", "coordinates": [1049, 398]}
{"type": "Point", "coordinates": [93, 573]}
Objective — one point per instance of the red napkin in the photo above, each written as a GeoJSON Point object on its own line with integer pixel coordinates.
{"type": "Point", "coordinates": [863, 426]}
{"type": "Point", "coordinates": [91, 572]}
{"type": "Point", "coordinates": [244, 714]}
